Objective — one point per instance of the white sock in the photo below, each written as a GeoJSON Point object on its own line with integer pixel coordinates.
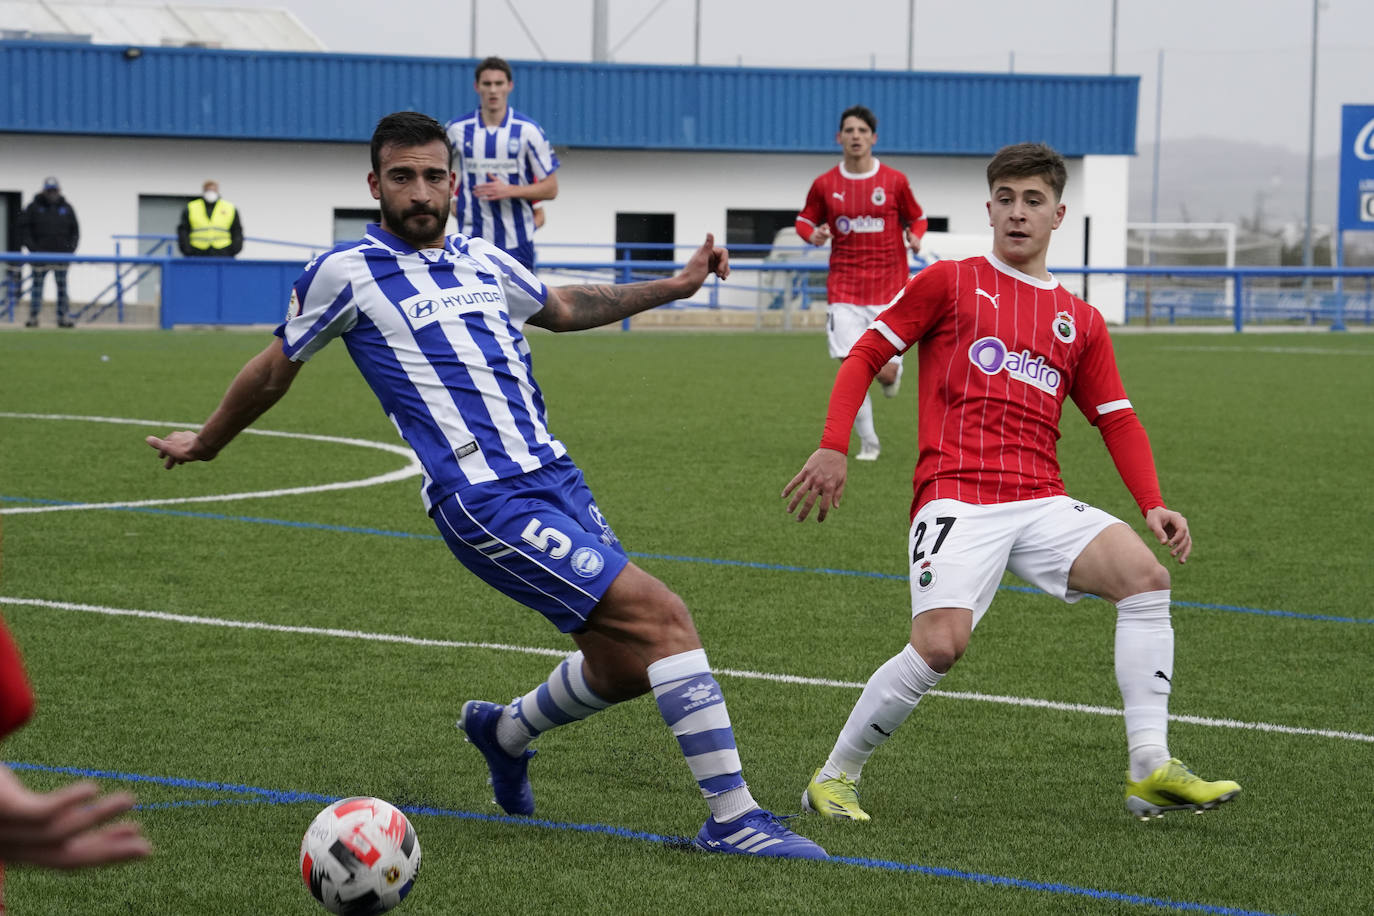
{"type": "Point", "coordinates": [888, 698]}
{"type": "Point", "coordinates": [863, 423]}
{"type": "Point", "coordinates": [1144, 672]}
{"type": "Point", "coordinates": [565, 697]}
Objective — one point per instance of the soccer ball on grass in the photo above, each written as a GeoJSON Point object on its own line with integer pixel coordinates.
{"type": "Point", "coordinates": [360, 857]}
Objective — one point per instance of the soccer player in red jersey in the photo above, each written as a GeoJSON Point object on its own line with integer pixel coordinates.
{"type": "Point", "coordinates": [868, 214]}
{"type": "Point", "coordinates": [1000, 346]}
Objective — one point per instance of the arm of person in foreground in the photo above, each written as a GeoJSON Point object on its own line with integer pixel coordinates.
{"type": "Point", "coordinates": [68, 827]}
{"type": "Point", "coordinates": [820, 482]}
{"type": "Point", "coordinates": [262, 382]}
{"type": "Point", "coordinates": [1129, 447]}
{"type": "Point", "coordinates": [576, 308]}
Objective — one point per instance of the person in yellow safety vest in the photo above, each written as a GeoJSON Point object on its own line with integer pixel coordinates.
{"type": "Point", "coordinates": [210, 226]}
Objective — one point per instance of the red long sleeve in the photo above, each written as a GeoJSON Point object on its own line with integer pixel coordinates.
{"type": "Point", "coordinates": [851, 384]}
{"type": "Point", "coordinates": [1130, 450]}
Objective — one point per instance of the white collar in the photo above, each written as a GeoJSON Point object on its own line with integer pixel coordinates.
{"type": "Point", "coordinates": [1051, 283]}
{"type": "Point", "coordinates": [869, 174]}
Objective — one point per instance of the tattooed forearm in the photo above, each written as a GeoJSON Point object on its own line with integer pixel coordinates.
{"type": "Point", "coordinates": [581, 307]}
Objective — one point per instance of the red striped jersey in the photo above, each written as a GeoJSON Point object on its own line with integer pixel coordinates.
{"type": "Point", "coordinates": [866, 214]}
{"type": "Point", "coordinates": [998, 352]}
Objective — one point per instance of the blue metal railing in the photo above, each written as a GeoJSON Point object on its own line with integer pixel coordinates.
{"type": "Point", "coordinates": [1171, 295]}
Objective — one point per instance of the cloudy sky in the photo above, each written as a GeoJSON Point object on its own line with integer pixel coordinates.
{"type": "Point", "coordinates": [1233, 69]}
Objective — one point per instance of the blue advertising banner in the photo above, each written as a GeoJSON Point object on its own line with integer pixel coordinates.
{"type": "Point", "coordinates": [1357, 167]}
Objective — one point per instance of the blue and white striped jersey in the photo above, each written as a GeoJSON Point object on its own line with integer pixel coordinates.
{"type": "Point", "coordinates": [437, 334]}
{"type": "Point", "coordinates": [516, 152]}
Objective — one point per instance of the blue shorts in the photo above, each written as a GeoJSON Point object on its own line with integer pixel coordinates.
{"type": "Point", "coordinates": [538, 538]}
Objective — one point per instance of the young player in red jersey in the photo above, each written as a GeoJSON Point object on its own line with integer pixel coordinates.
{"type": "Point", "coordinates": [1001, 345]}
{"type": "Point", "coordinates": [867, 212]}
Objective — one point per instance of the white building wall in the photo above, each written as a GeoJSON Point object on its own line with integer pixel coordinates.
{"type": "Point", "coordinates": [289, 191]}
{"type": "Point", "coordinates": [1105, 179]}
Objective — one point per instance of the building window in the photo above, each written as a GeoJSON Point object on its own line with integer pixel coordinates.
{"type": "Point", "coordinates": [746, 229]}
{"type": "Point", "coordinates": [352, 224]}
{"type": "Point", "coordinates": [654, 230]}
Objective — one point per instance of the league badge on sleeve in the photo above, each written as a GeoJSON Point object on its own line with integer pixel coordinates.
{"type": "Point", "coordinates": [1064, 327]}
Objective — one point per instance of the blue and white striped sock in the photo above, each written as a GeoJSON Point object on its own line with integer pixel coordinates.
{"type": "Point", "coordinates": [565, 697]}
{"type": "Point", "coordinates": [691, 703]}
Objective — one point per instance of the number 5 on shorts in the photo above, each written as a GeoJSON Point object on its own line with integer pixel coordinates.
{"type": "Point", "coordinates": [549, 540]}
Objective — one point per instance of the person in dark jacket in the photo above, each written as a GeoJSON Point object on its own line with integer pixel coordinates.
{"type": "Point", "coordinates": [210, 226]}
{"type": "Point", "coordinates": [49, 224]}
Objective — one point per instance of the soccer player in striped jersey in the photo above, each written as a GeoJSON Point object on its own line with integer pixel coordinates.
{"type": "Point", "coordinates": [505, 164]}
{"type": "Point", "coordinates": [868, 214]}
{"type": "Point", "coordinates": [1000, 346]}
{"type": "Point", "coordinates": [435, 325]}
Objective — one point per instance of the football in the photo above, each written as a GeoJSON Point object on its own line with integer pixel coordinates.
{"type": "Point", "coordinates": [360, 856]}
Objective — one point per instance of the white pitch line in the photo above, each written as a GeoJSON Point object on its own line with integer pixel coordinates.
{"type": "Point", "coordinates": [1029, 702]}
{"type": "Point", "coordinates": [411, 469]}
{"type": "Point", "coordinates": [1287, 351]}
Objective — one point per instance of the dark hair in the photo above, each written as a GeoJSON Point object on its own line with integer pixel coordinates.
{"type": "Point", "coordinates": [405, 128]}
{"type": "Point", "coordinates": [492, 63]}
{"type": "Point", "coordinates": [863, 114]}
{"type": "Point", "coordinates": [1029, 160]}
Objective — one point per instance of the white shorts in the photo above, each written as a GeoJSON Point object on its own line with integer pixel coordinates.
{"type": "Point", "coordinates": [958, 551]}
{"type": "Point", "coordinates": [845, 324]}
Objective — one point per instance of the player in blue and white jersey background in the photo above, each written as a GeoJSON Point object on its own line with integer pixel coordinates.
{"type": "Point", "coordinates": [435, 325]}
{"type": "Point", "coordinates": [504, 164]}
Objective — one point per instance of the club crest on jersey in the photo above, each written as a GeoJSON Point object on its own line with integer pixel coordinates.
{"type": "Point", "coordinates": [879, 196]}
{"type": "Point", "coordinates": [1064, 327]}
{"type": "Point", "coordinates": [512, 147]}
{"type": "Point", "coordinates": [844, 225]}
{"type": "Point", "coordinates": [990, 356]}
{"type": "Point", "coordinates": [925, 577]}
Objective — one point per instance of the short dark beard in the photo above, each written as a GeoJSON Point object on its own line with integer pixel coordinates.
{"type": "Point", "coordinates": [394, 221]}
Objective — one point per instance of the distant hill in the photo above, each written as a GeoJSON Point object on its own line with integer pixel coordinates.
{"type": "Point", "coordinates": [1213, 180]}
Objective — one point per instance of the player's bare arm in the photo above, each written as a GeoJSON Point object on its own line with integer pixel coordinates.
{"type": "Point", "coordinates": [821, 235]}
{"type": "Point", "coordinates": [261, 382]}
{"type": "Point", "coordinates": [913, 242]}
{"type": "Point", "coordinates": [494, 188]}
{"type": "Point", "coordinates": [820, 483]}
{"type": "Point", "coordinates": [576, 308]}
{"type": "Point", "coordinates": [1171, 529]}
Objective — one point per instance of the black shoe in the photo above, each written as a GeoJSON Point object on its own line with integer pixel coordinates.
{"type": "Point", "coordinates": [65, 323]}
{"type": "Point", "coordinates": [31, 323]}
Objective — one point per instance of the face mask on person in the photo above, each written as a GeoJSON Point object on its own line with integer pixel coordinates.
{"type": "Point", "coordinates": [211, 196]}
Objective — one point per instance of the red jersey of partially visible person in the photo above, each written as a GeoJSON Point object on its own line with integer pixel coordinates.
{"type": "Point", "coordinates": [16, 703]}
{"type": "Point", "coordinates": [16, 697]}
{"type": "Point", "coordinates": [999, 351]}
{"type": "Point", "coordinates": [867, 214]}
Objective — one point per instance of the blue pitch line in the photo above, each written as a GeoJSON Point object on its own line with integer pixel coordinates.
{"type": "Point", "coordinates": [278, 797]}
{"type": "Point", "coordinates": [710, 561]}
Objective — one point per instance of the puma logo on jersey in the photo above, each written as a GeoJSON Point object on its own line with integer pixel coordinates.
{"type": "Point", "coordinates": [838, 195]}
{"type": "Point", "coordinates": [992, 299]}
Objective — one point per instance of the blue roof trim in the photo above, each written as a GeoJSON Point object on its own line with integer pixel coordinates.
{"type": "Point", "coordinates": [295, 96]}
